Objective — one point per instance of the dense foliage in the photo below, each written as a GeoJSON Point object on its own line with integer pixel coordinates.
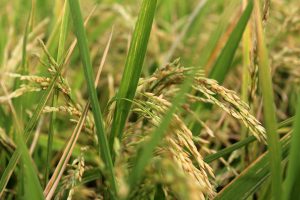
{"type": "Point", "coordinates": [150, 99]}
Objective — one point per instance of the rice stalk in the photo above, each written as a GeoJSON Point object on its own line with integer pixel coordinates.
{"type": "Point", "coordinates": [133, 68]}
{"type": "Point", "coordinates": [268, 106]}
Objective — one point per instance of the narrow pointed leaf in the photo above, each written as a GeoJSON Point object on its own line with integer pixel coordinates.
{"type": "Point", "coordinates": [270, 121]}
{"type": "Point", "coordinates": [292, 183]}
{"type": "Point", "coordinates": [224, 61]}
{"type": "Point", "coordinates": [252, 177]}
{"type": "Point", "coordinates": [133, 67]}
{"type": "Point", "coordinates": [89, 77]}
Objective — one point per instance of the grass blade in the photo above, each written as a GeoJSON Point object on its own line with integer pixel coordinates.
{"type": "Point", "coordinates": [89, 76]}
{"type": "Point", "coordinates": [199, 7]}
{"type": "Point", "coordinates": [212, 44]}
{"type": "Point", "coordinates": [32, 186]}
{"type": "Point", "coordinates": [60, 51]}
{"type": "Point", "coordinates": [246, 59]}
{"type": "Point", "coordinates": [35, 116]}
{"type": "Point", "coordinates": [230, 149]}
{"type": "Point", "coordinates": [223, 63]}
{"type": "Point", "coordinates": [242, 143]}
{"type": "Point", "coordinates": [265, 82]}
{"type": "Point", "coordinates": [293, 177]}
{"type": "Point", "coordinates": [133, 68]}
{"type": "Point", "coordinates": [27, 133]}
{"type": "Point", "coordinates": [50, 137]}
{"type": "Point", "coordinates": [53, 183]}
{"type": "Point", "coordinates": [32, 182]}
{"type": "Point", "coordinates": [63, 33]}
{"type": "Point", "coordinates": [252, 177]}
{"type": "Point", "coordinates": [21, 102]}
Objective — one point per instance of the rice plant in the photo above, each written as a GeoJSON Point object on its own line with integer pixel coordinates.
{"type": "Point", "coordinates": [150, 99]}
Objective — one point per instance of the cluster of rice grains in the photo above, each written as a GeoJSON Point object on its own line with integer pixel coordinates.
{"type": "Point", "coordinates": [34, 83]}
{"type": "Point", "coordinates": [73, 177]}
{"type": "Point", "coordinates": [177, 165]}
{"type": "Point", "coordinates": [178, 168]}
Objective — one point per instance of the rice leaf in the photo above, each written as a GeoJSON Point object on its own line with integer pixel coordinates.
{"type": "Point", "coordinates": [229, 149]}
{"type": "Point", "coordinates": [265, 82]}
{"type": "Point", "coordinates": [60, 53]}
{"type": "Point", "coordinates": [133, 68]}
{"type": "Point", "coordinates": [63, 33]}
{"type": "Point", "coordinates": [35, 116]}
{"type": "Point", "coordinates": [57, 175]}
{"type": "Point", "coordinates": [103, 146]}
{"type": "Point", "coordinates": [211, 45]}
{"type": "Point", "coordinates": [242, 143]}
{"type": "Point", "coordinates": [224, 61]}
{"type": "Point", "coordinates": [30, 182]}
{"type": "Point", "coordinates": [27, 133]}
{"type": "Point", "coordinates": [252, 177]}
{"type": "Point", "coordinates": [193, 16]}
{"type": "Point", "coordinates": [32, 186]}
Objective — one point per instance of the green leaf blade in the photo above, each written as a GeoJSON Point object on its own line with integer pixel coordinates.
{"type": "Point", "coordinates": [133, 67]}
{"type": "Point", "coordinates": [89, 77]}
{"type": "Point", "coordinates": [252, 177]}
{"type": "Point", "coordinates": [224, 61]}
{"type": "Point", "coordinates": [292, 183]}
{"type": "Point", "coordinates": [266, 86]}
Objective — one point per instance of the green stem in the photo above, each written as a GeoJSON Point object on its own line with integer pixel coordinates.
{"type": "Point", "coordinates": [103, 146]}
